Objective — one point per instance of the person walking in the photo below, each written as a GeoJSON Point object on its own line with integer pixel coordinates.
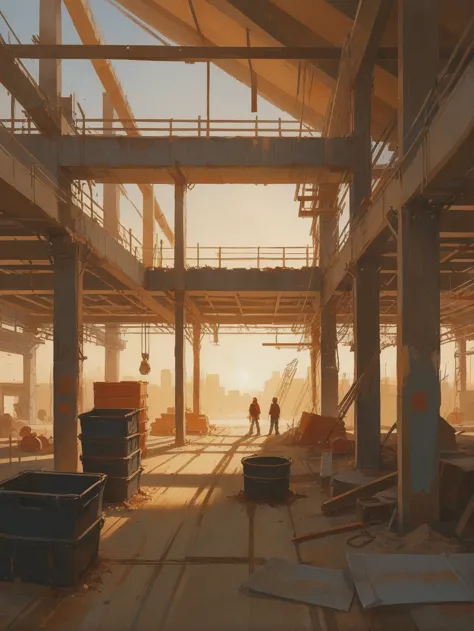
{"type": "Point", "coordinates": [254, 416]}
{"type": "Point", "coordinates": [274, 416]}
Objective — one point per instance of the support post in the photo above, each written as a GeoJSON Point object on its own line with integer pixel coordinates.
{"type": "Point", "coordinates": [366, 288]}
{"type": "Point", "coordinates": [462, 363]}
{"type": "Point", "coordinates": [179, 348]}
{"type": "Point", "coordinates": [418, 295]}
{"type": "Point", "coordinates": [314, 353]}
{"type": "Point", "coordinates": [112, 353]}
{"type": "Point", "coordinates": [329, 370]}
{"type": "Point", "coordinates": [367, 360]}
{"type": "Point", "coordinates": [148, 239]}
{"type": "Point", "coordinates": [29, 384]}
{"type": "Point", "coordinates": [418, 350]}
{"type": "Point", "coordinates": [111, 201]}
{"type": "Point", "coordinates": [197, 368]}
{"type": "Point", "coordinates": [67, 349]}
{"type": "Point", "coordinates": [50, 32]}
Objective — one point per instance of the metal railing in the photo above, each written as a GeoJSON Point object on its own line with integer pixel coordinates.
{"type": "Point", "coordinates": [171, 127]}
{"type": "Point", "coordinates": [257, 257]}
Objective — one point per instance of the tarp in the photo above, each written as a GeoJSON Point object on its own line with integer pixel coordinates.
{"type": "Point", "coordinates": [325, 587]}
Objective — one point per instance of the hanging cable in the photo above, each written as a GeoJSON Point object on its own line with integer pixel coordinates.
{"type": "Point", "coordinates": [145, 349]}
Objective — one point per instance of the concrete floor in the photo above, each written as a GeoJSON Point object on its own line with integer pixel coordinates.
{"type": "Point", "coordinates": [175, 561]}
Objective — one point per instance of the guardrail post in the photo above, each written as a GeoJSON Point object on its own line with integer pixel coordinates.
{"type": "Point", "coordinates": [130, 237]}
{"type": "Point", "coordinates": [279, 127]}
{"type": "Point", "coordinates": [199, 126]}
{"type": "Point", "coordinates": [220, 257]}
{"type": "Point", "coordinates": [307, 256]}
{"type": "Point", "coordinates": [258, 257]}
{"type": "Point", "coordinates": [171, 127]}
{"type": "Point", "coordinates": [161, 253]}
{"type": "Point", "coordinates": [284, 256]}
{"type": "Point", "coordinates": [256, 127]}
{"type": "Point", "coordinates": [197, 255]}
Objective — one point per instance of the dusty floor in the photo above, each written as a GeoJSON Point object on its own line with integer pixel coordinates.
{"type": "Point", "coordinates": [175, 562]}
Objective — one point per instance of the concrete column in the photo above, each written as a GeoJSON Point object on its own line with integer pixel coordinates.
{"type": "Point", "coordinates": [179, 347]}
{"type": "Point", "coordinates": [418, 349]}
{"type": "Point", "coordinates": [29, 384]}
{"type": "Point", "coordinates": [197, 369]}
{"type": "Point", "coordinates": [418, 300]}
{"type": "Point", "coordinates": [148, 229]}
{"type": "Point", "coordinates": [418, 63]}
{"type": "Point", "coordinates": [112, 353]}
{"type": "Point", "coordinates": [367, 360]}
{"type": "Point", "coordinates": [67, 362]}
{"type": "Point", "coordinates": [361, 184]}
{"type": "Point", "coordinates": [50, 32]}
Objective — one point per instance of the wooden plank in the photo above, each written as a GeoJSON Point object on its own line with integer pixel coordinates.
{"type": "Point", "coordinates": [335, 530]}
{"type": "Point", "coordinates": [366, 490]}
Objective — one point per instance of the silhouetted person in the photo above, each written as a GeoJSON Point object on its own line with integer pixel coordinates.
{"type": "Point", "coordinates": [274, 416]}
{"type": "Point", "coordinates": [254, 413]}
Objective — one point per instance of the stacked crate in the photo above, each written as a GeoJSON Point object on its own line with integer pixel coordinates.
{"type": "Point", "coordinates": [111, 445]}
{"type": "Point", "coordinates": [122, 395]}
{"type": "Point", "coordinates": [50, 526]}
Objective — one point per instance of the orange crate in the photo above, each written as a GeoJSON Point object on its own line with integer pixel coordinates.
{"type": "Point", "coordinates": [121, 388]}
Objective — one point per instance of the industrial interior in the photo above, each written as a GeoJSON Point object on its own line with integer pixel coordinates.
{"type": "Point", "coordinates": [117, 518]}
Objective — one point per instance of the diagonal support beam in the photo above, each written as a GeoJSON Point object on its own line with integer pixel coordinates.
{"type": "Point", "coordinates": [27, 93]}
{"type": "Point", "coordinates": [83, 19]}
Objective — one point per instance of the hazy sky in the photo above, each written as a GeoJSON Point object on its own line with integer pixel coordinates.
{"type": "Point", "coordinates": [217, 215]}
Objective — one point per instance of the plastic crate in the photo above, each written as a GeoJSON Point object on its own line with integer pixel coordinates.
{"type": "Point", "coordinates": [107, 422]}
{"type": "Point", "coordinates": [49, 561]}
{"type": "Point", "coordinates": [121, 489]}
{"type": "Point", "coordinates": [116, 467]}
{"type": "Point", "coordinates": [50, 505]}
{"type": "Point", "coordinates": [109, 446]}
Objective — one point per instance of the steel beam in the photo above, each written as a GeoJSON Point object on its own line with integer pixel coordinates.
{"type": "Point", "coordinates": [201, 160]}
{"type": "Point", "coordinates": [187, 54]}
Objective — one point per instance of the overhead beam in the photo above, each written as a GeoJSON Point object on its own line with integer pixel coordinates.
{"type": "Point", "coordinates": [214, 160]}
{"type": "Point", "coordinates": [83, 20]}
{"type": "Point", "coordinates": [186, 54]}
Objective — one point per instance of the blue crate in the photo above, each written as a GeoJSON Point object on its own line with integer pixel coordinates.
{"type": "Point", "coordinates": [50, 505]}
{"type": "Point", "coordinates": [53, 562]}
{"type": "Point", "coordinates": [109, 446]}
{"type": "Point", "coordinates": [116, 467]}
{"type": "Point", "coordinates": [109, 422]}
{"type": "Point", "coordinates": [121, 489]}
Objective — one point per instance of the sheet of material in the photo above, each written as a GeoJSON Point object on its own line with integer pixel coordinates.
{"type": "Point", "coordinates": [67, 352]}
{"type": "Point", "coordinates": [418, 352]}
{"type": "Point", "coordinates": [409, 579]}
{"type": "Point", "coordinates": [196, 368]}
{"type": "Point", "coordinates": [369, 489]}
{"type": "Point", "coordinates": [303, 583]}
{"type": "Point", "coordinates": [50, 33]}
{"type": "Point", "coordinates": [455, 617]}
{"type": "Point", "coordinates": [179, 296]}
{"type": "Point", "coordinates": [367, 362]}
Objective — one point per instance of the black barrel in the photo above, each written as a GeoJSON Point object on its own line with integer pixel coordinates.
{"type": "Point", "coordinates": [266, 478]}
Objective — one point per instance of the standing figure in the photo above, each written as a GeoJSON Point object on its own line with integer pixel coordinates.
{"type": "Point", "coordinates": [274, 416]}
{"type": "Point", "coordinates": [254, 416]}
